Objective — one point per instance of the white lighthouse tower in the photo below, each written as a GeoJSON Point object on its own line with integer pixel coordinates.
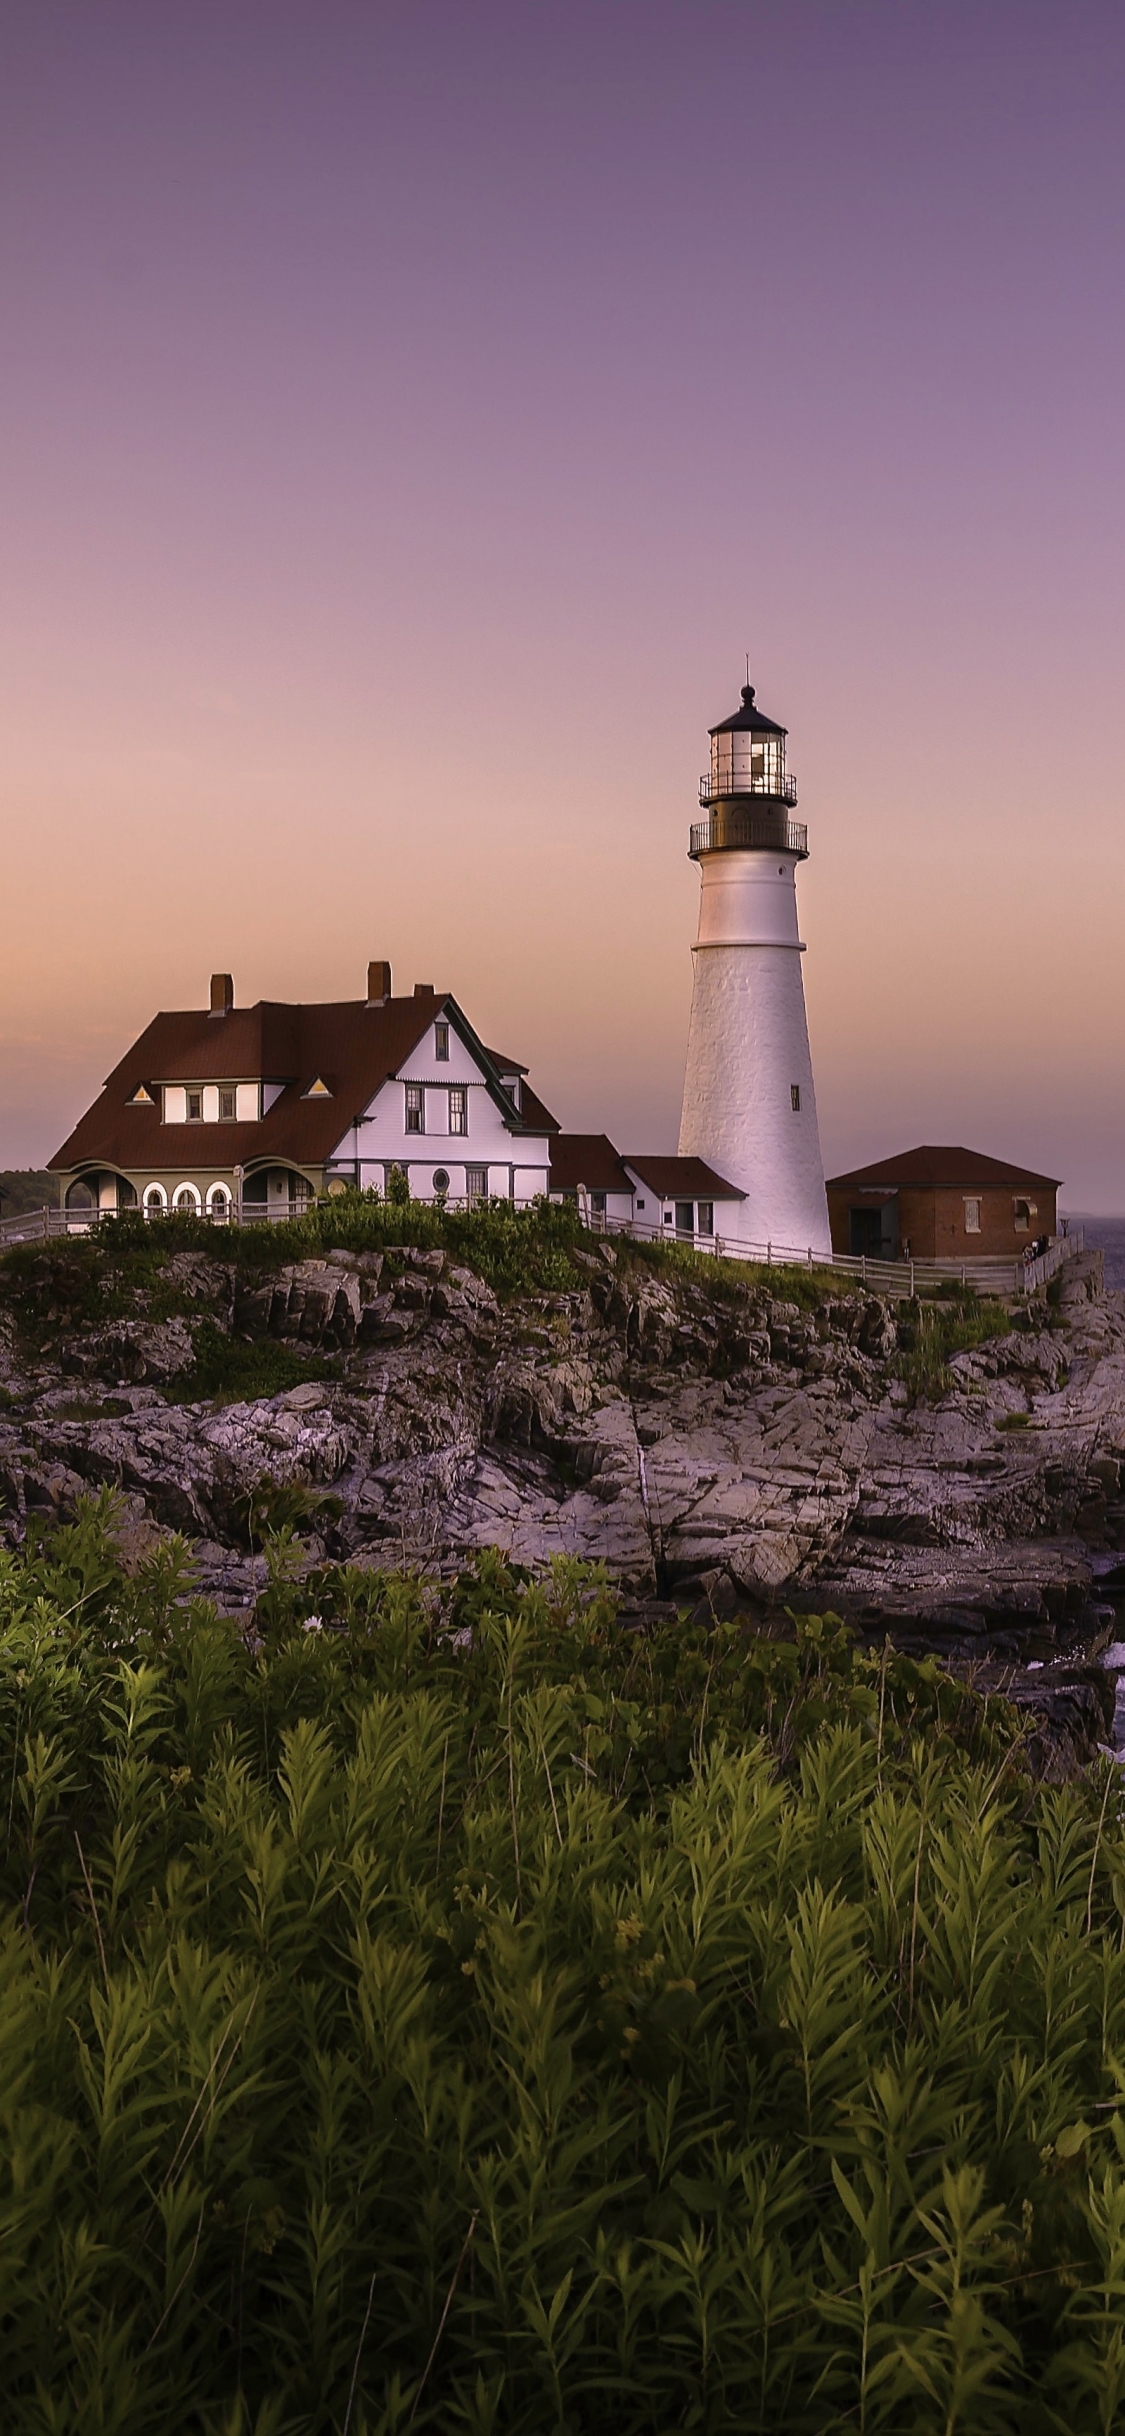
{"type": "Point", "coordinates": [749, 1106]}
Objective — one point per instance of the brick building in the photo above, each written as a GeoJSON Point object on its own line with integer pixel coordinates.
{"type": "Point", "coordinates": [941, 1203]}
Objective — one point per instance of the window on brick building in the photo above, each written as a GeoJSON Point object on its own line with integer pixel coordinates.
{"type": "Point", "coordinates": [972, 1216]}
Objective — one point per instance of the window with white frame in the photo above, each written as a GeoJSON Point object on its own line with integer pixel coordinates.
{"type": "Point", "coordinates": [193, 1109]}
{"type": "Point", "coordinates": [415, 1108]}
{"type": "Point", "coordinates": [476, 1183]}
{"type": "Point", "coordinates": [706, 1218]}
{"type": "Point", "coordinates": [458, 1109]}
{"type": "Point", "coordinates": [227, 1103]}
{"type": "Point", "coordinates": [441, 1042]}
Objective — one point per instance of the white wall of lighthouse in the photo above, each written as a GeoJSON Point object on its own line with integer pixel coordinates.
{"type": "Point", "coordinates": [749, 1105]}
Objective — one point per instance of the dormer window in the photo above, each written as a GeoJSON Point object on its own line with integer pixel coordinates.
{"type": "Point", "coordinates": [441, 1042]}
{"type": "Point", "coordinates": [193, 1109]}
{"type": "Point", "coordinates": [227, 1103]}
{"type": "Point", "coordinates": [511, 1083]}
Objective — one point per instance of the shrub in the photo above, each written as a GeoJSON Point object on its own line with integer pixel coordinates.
{"type": "Point", "coordinates": [456, 2012]}
{"type": "Point", "coordinates": [931, 1331]}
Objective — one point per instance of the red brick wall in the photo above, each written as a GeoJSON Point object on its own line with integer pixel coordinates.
{"type": "Point", "coordinates": [932, 1222]}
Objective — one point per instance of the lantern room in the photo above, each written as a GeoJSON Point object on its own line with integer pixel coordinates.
{"type": "Point", "coordinates": [748, 757]}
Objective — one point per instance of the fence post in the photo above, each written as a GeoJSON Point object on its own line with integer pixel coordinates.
{"type": "Point", "coordinates": [810, 1255]}
{"type": "Point", "coordinates": [46, 1222]}
{"type": "Point", "coordinates": [863, 1268]}
{"type": "Point", "coordinates": [962, 1272]}
{"type": "Point", "coordinates": [911, 1281]}
{"type": "Point", "coordinates": [769, 1254]}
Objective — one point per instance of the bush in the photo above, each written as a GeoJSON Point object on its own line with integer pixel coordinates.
{"type": "Point", "coordinates": [931, 1331]}
{"type": "Point", "coordinates": [456, 2012]}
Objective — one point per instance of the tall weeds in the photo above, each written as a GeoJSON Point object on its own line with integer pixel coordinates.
{"type": "Point", "coordinates": [432, 2012]}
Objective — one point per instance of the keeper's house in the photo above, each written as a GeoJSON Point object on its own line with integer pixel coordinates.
{"type": "Point", "coordinates": [271, 1104]}
{"type": "Point", "coordinates": [941, 1204]}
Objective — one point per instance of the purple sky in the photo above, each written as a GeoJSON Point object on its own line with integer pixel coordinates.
{"type": "Point", "coordinates": [410, 416]}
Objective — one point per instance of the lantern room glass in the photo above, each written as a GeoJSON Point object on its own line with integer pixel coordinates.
{"type": "Point", "coordinates": [744, 761]}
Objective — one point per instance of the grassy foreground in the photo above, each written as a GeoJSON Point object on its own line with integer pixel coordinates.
{"type": "Point", "coordinates": [465, 2014]}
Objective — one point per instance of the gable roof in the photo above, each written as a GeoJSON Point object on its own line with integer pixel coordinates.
{"type": "Point", "coordinates": [688, 1177]}
{"type": "Point", "coordinates": [353, 1046]}
{"type": "Point", "coordinates": [589, 1159]}
{"type": "Point", "coordinates": [941, 1167]}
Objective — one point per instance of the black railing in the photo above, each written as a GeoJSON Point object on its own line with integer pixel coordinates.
{"type": "Point", "coordinates": [743, 782]}
{"type": "Point", "coordinates": [749, 829]}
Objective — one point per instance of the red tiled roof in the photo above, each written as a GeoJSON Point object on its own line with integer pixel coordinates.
{"type": "Point", "coordinates": [942, 1167]}
{"type": "Point", "coordinates": [357, 1045]}
{"type": "Point", "coordinates": [589, 1159]}
{"type": "Point", "coordinates": [687, 1177]}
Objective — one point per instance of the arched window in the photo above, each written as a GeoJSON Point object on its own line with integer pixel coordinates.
{"type": "Point", "coordinates": [218, 1202]}
{"type": "Point", "coordinates": [79, 1195]}
{"type": "Point", "coordinates": [155, 1200]}
{"type": "Point", "coordinates": [186, 1198]}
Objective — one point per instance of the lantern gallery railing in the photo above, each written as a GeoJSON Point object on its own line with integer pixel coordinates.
{"type": "Point", "coordinates": [749, 829]}
{"type": "Point", "coordinates": [713, 790]}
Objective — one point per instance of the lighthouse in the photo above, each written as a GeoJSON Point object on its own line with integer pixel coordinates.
{"type": "Point", "coordinates": [749, 1106]}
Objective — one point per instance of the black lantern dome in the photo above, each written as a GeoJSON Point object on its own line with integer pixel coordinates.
{"type": "Point", "coordinates": [748, 761]}
{"type": "Point", "coordinates": [748, 757]}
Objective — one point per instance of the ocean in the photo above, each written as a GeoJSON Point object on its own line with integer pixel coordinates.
{"type": "Point", "coordinates": [1109, 1235]}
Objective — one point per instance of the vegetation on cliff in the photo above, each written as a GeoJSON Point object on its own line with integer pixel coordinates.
{"type": "Point", "coordinates": [457, 2010]}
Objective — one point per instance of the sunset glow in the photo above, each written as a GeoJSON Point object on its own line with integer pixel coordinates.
{"type": "Point", "coordinates": [411, 416]}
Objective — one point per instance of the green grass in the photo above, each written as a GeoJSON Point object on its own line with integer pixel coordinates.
{"type": "Point", "coordinates": [573, 2030]}
{"type": "Point", "coordinates": [232, 1370]}
{"type": "Point", "coordinates": [952, 1322]}
{"type": "Point", "coordinates": [680, 1262]}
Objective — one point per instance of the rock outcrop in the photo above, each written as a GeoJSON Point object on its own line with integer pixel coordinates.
{"type": "Point", "coordinates": [708, 1443]}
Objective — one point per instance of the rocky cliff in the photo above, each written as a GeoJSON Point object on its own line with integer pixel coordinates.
{"type": "Point", "coordinates": [704, 1439]}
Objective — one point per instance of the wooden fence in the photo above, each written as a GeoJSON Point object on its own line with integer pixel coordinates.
{"type": "Point", "coordinates": [895, 1277]}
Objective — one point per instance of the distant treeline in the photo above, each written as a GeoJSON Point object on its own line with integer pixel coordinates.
{"type": "Point", "coordinates": [26, 1188]}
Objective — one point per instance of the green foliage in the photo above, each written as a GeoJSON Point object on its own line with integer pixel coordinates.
{"type": "Point", "coordinates": [27, 1188]}
{"type": "Point", "coordinates": [274, 1506]}
{"type": "Point", "coordinates": [232, 1370]}
{"type": "Point", "coordinates": [121, 1269]}
{"type": "Point", "coordinates": [453, 2011]}
{"type": "Point", "coordinates": [514, 1250]}
{"type": "Point", "coordinates": [808, 1288]}
{"type": "Point", "coordinates": [930, 1331]}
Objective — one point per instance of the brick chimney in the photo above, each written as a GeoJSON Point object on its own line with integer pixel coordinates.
{"type": "Point", "coordinates": [222, 993]}
{"type": "Point", "coordinates": [378, 984]}
{"type": "Point", "coordinates": [423, 989]}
